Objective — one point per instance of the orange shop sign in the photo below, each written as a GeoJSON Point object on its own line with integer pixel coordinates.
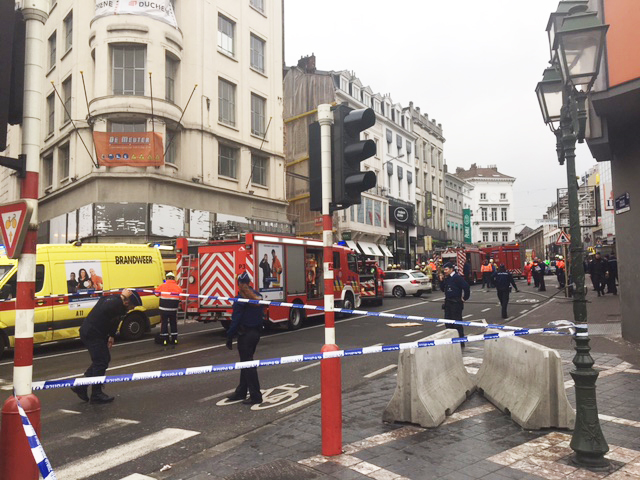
{"type": "Point", "coordinates": [129, 149]}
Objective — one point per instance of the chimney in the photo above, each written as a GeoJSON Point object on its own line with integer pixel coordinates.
{"type": "Point", "coordinates": [459, 170]}
{"type": "Point", "coordinates": [308, 64]}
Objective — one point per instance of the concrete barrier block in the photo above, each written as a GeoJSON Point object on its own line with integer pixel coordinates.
{"type": "Point", "coordinates": [431, 384]}
{"type": "Point", "coordinates": [525, 380]}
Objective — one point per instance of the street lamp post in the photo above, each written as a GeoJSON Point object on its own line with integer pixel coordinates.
{"type": "Point", "coordinates": [576, 48]}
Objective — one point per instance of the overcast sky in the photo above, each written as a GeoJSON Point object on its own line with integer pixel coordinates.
{"type": "Point", "coordinates": [473, 65]}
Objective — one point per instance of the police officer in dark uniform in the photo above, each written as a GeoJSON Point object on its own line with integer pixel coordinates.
{"type": "Point", "coordinates": [246, 320]}
{"type": "Point", "coordinates": [456, 292]}
{"type": "Point", "coordinates": [503, 281]}
{"type": "Point", "coordinates": [97, 333]}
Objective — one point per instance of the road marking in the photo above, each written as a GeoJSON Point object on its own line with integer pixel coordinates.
{"type": "Point", "coordinates": [467, 316]}
{"type": "Point", "coordinates": [622, 367]}
{"type": "Point", "coordinates": [109, 425]}
{"type": "Point", "coordinates": [380, 371]}
{"type": "Point", "coordinates": [437, 299]}
{"type": "Point", "coordinates": [524, 311]}
{"type": "Point", "coordinates": [414, 333]}
{"type": "Point", "coordinates": [299, 404]}
{"type": "Point", "coordinates": [137, 476]}
{"type": "Point", "coordinates": [217, 395]}
{"type": "Point", "coordinates": [486, 309]}
{"type": "Point", "coordinates": [100, 462]}
{"type": "Point", "coordinates": [315, 364]}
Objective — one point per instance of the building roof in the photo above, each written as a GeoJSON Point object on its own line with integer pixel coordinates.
{"type": "Point", "coordinates": [490, 172]}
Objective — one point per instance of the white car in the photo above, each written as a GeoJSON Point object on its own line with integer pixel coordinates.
{"type": "Point", "coordinates": [406, 282]}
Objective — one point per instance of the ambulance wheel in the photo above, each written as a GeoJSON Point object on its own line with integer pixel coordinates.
{"type": "Point", "coordinates": [133, 327]}
{"type": "Point", "coordinates": [296, 317]}
{"type": "Point", "coordinates": [3, 343]}
{"type": "Point", "coordinates": [398, 292]}
{"type": "Point", "coordinates": [225, 324]}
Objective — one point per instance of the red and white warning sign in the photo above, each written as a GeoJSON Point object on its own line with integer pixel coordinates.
{"type": "Point", "coordinates": [14, 222]}
{"type": "Point", "coordinates": [563, 239]}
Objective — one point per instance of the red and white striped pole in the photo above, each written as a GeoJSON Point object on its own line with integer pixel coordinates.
{"type": "Point", "coordinates": [16, 459]}
{"type": "Point", "coordinates": [331, 377]}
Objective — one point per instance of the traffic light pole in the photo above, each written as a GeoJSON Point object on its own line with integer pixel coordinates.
{"type": "Point", "coordinates": [331, 377]}
{"type": "Point", "coordinates": [16, 459]}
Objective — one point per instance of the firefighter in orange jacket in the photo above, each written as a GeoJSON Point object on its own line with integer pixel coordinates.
{"type": "Point", "coordinates": [169, 302]}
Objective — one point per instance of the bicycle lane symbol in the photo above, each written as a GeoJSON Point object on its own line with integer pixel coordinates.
{"type": "Point", "coordinates": [272, 397]}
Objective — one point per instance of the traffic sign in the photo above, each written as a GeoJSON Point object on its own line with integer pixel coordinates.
{"type": "Point", "coordinates": [563, 239]}
{"type": "Point", "coordinates": [14, 222]}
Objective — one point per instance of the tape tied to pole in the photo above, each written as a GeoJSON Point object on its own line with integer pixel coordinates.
{"type": "Point", "coordinates": [37, 451]}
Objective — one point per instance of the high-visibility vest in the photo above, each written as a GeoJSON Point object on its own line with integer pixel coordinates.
{"type": "Point", "coordinates": [486, 268]}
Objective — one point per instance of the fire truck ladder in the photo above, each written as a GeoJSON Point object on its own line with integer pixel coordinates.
{"type": "Point", "coordinates": [184, 272]}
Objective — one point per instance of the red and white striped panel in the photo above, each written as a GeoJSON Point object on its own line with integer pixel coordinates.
{"type": "Point", "coordinates": [249, 263]}
{"type": "Point", "coordinates": [217, 277]}
{"type": "Point", "coordinates": [461, 259]}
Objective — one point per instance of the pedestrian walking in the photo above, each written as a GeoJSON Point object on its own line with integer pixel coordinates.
{"type": "Point", "coordinates": [169, 293]}
{"type": "Point", "coordinates": [598, 271]}
{"type": "Point", "coordinates": [527, 272]}
{"type": "Point", "coordinates": [486, 271]}
{"type": "Point", "coordinates": [466, 271]}
{"type": "Point", "coordinates": [535, 274]}
{"type": "Point", "coordinates": [503, 280]}
{"type": "Point", "coordinates": [97, 333]}
{"type": "Point", "coordinates": [456, 292]}
{"type": "Point", "coordinates": [246, 321]}
{"type": "Point", "coordinates": [560, 272]}
{"type": "Point", "coordinates": [612, 278]}
{"type": "Point", "coordinates": [539, 270]}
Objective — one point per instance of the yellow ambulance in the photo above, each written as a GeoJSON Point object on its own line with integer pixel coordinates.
{"type": "Point", "coordinates": [67, 279]}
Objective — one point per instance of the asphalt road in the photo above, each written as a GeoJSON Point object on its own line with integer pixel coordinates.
{"type": "Point", "coordinates": [153, 423]}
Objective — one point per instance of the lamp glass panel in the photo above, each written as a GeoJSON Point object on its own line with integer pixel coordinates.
{"type": "Point", "coordinates": [579, 56]}
{"type": "Point", "coordinates": [553, 101]}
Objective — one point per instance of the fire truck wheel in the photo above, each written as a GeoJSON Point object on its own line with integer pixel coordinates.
{"type": "Point", "coordinates": [225, 324]}
{"type": "Point", "coordinates": [133, 327]}
{"type": "Point", "coordinates": [296, 317]}
{"type": "Point", "coordinates": [398, 292]}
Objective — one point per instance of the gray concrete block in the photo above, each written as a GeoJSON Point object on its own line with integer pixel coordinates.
{"type": "Point", "coordinates": [432, 383]}
{"type": "Point", "coordinates": [525, 380]}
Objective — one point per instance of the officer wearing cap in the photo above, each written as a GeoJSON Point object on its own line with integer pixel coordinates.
{"type": "Point", "coordinates": [97, 333]}
{"type": "Point", "coordinates": [456, 292]}
{"type": "Point", "coordinates": [246, 320]}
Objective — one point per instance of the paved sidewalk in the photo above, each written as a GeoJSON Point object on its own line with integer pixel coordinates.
{"type": "Point", "coordinates": [477, 441]}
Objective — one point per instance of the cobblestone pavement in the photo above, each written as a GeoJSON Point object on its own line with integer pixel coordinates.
{"type": "Point", "coordinates": [477, 441]}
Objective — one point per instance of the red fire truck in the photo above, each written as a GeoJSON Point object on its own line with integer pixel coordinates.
{"type": "Point", "coordinates": [459, 256]}
{"type": "Point", "coordinates": [283, 269]}
{"type": "Point", "coordinates": [508, 255]}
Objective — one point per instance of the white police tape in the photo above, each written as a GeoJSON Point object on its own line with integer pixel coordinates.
{"type": "Point", "coordinates": [182, 372]}
{"type": "Point", "coordinates": [36, 448]}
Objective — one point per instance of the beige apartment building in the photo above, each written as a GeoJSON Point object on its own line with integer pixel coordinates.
{"type": "Point", "coordinates": [204, 76]}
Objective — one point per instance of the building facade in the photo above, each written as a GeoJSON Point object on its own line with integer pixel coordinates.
{"type": "Point", "coordinates": [212, 95]}
{"type": "Point", "coordinates": [493, 212]}
{"type": "Point", "coordinates": [457, 199]}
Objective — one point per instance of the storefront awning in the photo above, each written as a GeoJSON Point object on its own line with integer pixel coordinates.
{"type": "Point", "coordinates": [352, 245]}
{"type": "Point", "coordinates": [385, 250]}
{"type": "Point", "coordinates": [369, 248]}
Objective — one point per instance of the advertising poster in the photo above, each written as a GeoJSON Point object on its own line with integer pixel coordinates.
{"type": "Point", "coordinates": [84, 278]}
{"type": "Point", "coordinates": [159, 9]}
{"type": "Point", "coordinates": [117, 149]}
{"type": "Point", "coordinates": [270, 282]}
{"type": "Point", "coordinates": [466, 220]}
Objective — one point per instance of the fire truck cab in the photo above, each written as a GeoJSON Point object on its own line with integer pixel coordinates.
{"type": "Point", "coordinates": [283, 269]}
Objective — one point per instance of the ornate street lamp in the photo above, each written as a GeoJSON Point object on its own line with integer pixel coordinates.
{"type": "Point", "coordinates": [577, 47]}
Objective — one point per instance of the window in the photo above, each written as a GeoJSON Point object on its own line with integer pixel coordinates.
{"type": "Point", "coordinates": [52, 50]}
{"type": "Point", "coordinates": [505, 236]}
{"type": "Point", "coordinates": [258, 5]}
{"type": "Point", "coordinates": [485, 236]}
{"type": "Point", "coordinates": [68, 31]}
{"type": "Point", "coordinates": [63, 162]}
{"type": "Point", "coordinates": [257, 53]}
{"type": "Point", "coordinates": [226, 102]}
{"type": "Point", "coordinates": [171, 147]}
{"type": "Point", "coordinates": [483, 196]}
{"type": "Point", "coordinates": [257, 115]}
{"type": "Point", "coordinates": [494, 236]}
{"type": "Point", "coordinates": [504, 214]}
{"type": "Point", "coordinates": [360, 213]}
{"type": "Point", "coordinates": [377, 218]}
{"type": "Point", "coordinates": [226, 32]}
{"type": "Point", "coordinates": [369, 211]}
{"type": "Point", "coordinates": [66, 96]}
{"type": "Point", "coordinates": [170, 73]}
{"type": "Point", "coordinates": [483, 212]}
{"type": "Point", "coordinates": [128, 127]}
{"type": "Point", "coordinates": [128, 69]}
{"type": "Point", "coordinates": [494, 214]}
{"type": "Point", "coordinates": [51, 113]}
{"type": "Point", "coordinates": [47, 171]}
{"type": "Point", "coordinates": [227, 161]}
{"type": "Point", "coordinates": [259, 169]}
{"type": "Point", "coordinates": [503, 196]}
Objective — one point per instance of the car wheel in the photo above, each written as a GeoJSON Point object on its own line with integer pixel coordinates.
{"type": "Point", "coordinates": [133, 327]}
{"type": "Point", "coordinates": [417, 294]}
{"type": "Point", "coordinates": [296, 317]}
{"type": "Point", "coordinates": [398, 292]}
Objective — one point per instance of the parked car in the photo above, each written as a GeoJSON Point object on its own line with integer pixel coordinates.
{"type": "Point", "coordinates": [406, 282]}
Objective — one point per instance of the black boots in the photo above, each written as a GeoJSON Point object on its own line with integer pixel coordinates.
{"type": "Point", "coordinates": [98, 396]}
{"type": "Point", "coordinates": [81, 392]}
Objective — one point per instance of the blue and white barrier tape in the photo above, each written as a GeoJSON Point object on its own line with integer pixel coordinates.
{"type": "Point", "coordinates": [36, 448]}
{"type": "Point", "coordinates": [181, 372]}
{"type": "Point", "coordinates": [355, 312]}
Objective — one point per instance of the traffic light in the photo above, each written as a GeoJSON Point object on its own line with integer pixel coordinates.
{"type": "Point", "coordinates": [12, 52]}
{"type": "Point", "coordinates": [347, 151]}
{"type": "Point", "coordinates": [315, 168]}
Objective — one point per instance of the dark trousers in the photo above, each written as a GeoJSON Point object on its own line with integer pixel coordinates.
{"type": "Point", "coordinates": [169, 321]}
{"type": "Point", "coordinates": [247, 343]}
{"type": "Point", "coordinates": [598, 283]}
{"type": "Point", "coordinates": [100, 356]}
{"type": "Point", "coordinates": [486, 279]}
{"type": "Point", "coordinates": [611, 285]}
{"type": "Point", "coordinates": [561, 278]}
{"type": "Point", "coordinates": [453, 311]}
{"type": "Point", "coordinates": [536, 280]}
{"type": "Point", "coordinates": [541, 285]}
{"type": "Point", "coordinates": [503, 296]}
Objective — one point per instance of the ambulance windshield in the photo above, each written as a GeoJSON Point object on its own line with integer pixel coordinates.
{"type": "Point", "coordinates": [4, 269]}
